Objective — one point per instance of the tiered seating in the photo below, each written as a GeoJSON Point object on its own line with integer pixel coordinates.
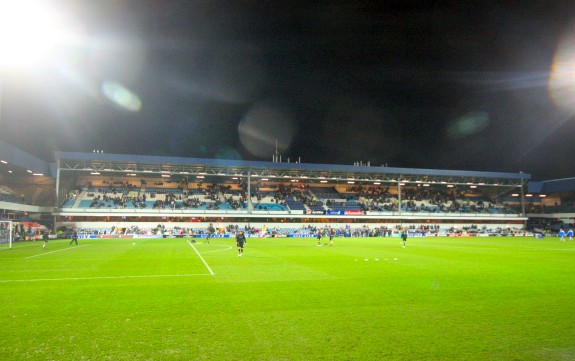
{"type": "Point", "coordinates": [346, 206]}
{"type": "Point", "coordinates": [325, 193]}
{"type": "Point", "coordinates": [294, 205]}
{"type": "Point", "coordinates": [316, 207]}
{"type": "Point", "coordinates": [69, 203]}
{"type": "Point", "coordinates": [269, 207]}
{"type": "Point", "coordinates": [86, 204]}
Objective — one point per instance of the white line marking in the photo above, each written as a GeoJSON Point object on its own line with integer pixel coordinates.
{"type": "Point", "coordinates": [104, 277]}
{"type": "Point", "coordinates": [60, 250]}
{"type": "Point", "coordinates": [202, 258]}
{"type": "Point", "coordinates": [14, 247]}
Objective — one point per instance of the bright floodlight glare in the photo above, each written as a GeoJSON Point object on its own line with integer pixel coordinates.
{"type": "Point", "coordinates": [562, 78]}
{"type": "Point", "coordinates": [29, 31]}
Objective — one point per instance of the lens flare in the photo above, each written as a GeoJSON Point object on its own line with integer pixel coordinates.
{"type": "Point", "coordinates": [121, 96]}
{"type": "Point", "coordinates": [265, 124]}
{"type": "Point", "coordinates": [469, 124]}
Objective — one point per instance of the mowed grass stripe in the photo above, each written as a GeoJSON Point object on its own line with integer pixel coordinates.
{"type": "Point", "coordinates": [287, 299]}
{"type": "Point", "coordinates": [107, 258]}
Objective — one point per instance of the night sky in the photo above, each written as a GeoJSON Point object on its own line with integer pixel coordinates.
{"type": "Point", "coordinates": [424, 84]}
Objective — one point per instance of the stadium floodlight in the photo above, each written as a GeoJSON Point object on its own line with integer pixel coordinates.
{"type": "Point", "coordinates": [30, 31]}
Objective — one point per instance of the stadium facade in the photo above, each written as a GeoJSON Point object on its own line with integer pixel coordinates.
{"type": "Point", "coordinates": [96, 190]}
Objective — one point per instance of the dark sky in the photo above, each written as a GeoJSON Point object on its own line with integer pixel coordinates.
{"type": "Point", "coordinates": [425, 84]}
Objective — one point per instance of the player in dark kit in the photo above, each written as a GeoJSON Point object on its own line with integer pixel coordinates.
{"type": "Point", "coordinates": [240, 241]}
{"type": "Point", "coordinates": [211, 231]}
{"type": "Point", "coordinates": [74, 238]}
{"type": "Point", "coordinates": [45, 238]}
{"type": "Point", "coordinates": [404, 236]}
{"type": "Point", "coordinates": [331, 234]}
{"type": "Point", "coordinates": [319, 237]}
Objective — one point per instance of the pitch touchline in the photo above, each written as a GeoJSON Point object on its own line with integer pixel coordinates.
{"type": "Point", "coordinates": [104, 278]}
{"type": "Point", "coordinates": [202, 258]}
{"type": "Point", "coordinates": [60, 250]}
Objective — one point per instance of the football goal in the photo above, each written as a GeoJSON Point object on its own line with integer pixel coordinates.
{"type": "Point", "coordinates": [5, 234]}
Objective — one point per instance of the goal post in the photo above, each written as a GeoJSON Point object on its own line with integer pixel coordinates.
{"type": "Point", "coordinates": [6, 235]}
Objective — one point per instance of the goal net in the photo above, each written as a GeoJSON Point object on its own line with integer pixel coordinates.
{"type": "Point", "coordinates": [5, 234]}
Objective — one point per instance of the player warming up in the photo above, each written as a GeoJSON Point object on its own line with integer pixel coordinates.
{"type": "Point", "coordinates": [240, 241]}
{"type": "Point", "coordinates": [211, 231]}
{"type": "Point", "coordinates": [404, 236]}
{"type": "Point", "coordinates": [319, 237]}
{"type": "Point", "coordinates": [331, 234]}
{"type": "Point", "coordinates": [570, 234]}
{"type": "Point", "coordinates": [74, 238]}
{"type": "Point", "coordinates": [45, 238]}
{"type": "Point", "coordinates": [562, 234]}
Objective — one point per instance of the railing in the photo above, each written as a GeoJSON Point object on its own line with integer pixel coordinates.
{"type": "Point", "coordinates": [295, 214]}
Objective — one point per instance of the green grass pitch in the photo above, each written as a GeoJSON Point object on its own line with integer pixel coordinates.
{"type": "Point", "coordinates": [287, 299]}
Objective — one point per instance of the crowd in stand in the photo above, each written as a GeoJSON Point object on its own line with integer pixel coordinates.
{"type": "Point", "coordinates": [369, 198]}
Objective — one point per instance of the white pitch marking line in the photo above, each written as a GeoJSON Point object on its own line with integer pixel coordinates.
{"type": "Point", "coordinates": [104, 278]}
{"type": "Point", "coordinates": [13, 247]}
{"type": "Point", "coordinates": [60, 250]}
{"type": "Point", "coordinates": [202, 258]}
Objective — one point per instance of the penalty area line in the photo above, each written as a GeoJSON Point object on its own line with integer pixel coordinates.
{"type": "Point", "coordinates": [60, 250]}
{"type": "Point", "coordinates": [18, 247]}
{"type": "Point", "coordinates": [104, 278]}
{"type": "Point", "coordinates": [202, 258]}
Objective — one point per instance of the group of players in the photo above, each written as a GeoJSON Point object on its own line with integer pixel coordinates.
{"type": "Point", "coordinates": [46, 237]}
{"type": "Point", "coordinates": [330, 232]}
{"type": "Point", "coordinates": [569, 234]}
{"type": "Point", "coordinates": [241, 239]}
